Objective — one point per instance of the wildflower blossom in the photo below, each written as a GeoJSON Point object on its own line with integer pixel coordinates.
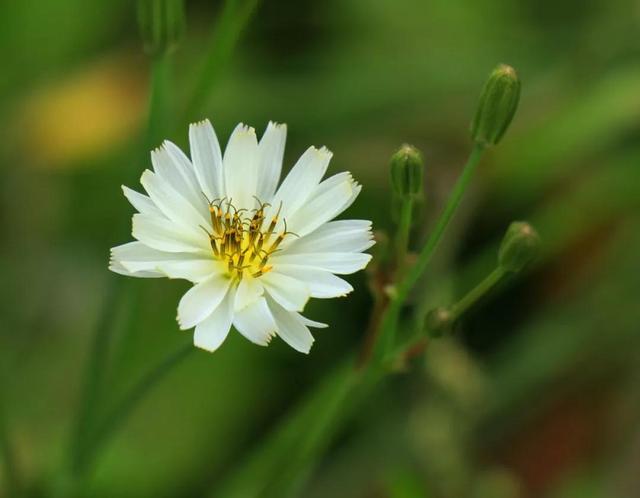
{"type": "Point", "coordinates": [255, 252]}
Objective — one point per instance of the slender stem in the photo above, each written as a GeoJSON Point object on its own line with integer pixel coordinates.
{"type": "Point", "coordinates": [410, 279]}
{"type": "Point", "coordinates": [7, 455]}
{"type": "Point", "coordinates": [95, 372]}
{"type": "Point", "coordinates": [402, 236]}
{"type": "Point", "coordinates": [477, 293]}
{"type": "Point", "coordinates": [158, 101]}
{"type": "Point", "coordinates": [119, 415]}
{"type": "Point", "coordinates": [233, 20]}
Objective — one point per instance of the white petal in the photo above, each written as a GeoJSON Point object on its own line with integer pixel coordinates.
{"type": "Point", "coordinates": [342, 263]}
{"type": "Point", "coordinates": [171, 203]}
{"type": "Point", "coordinates": [321, 284]}
{"type": "Point", "coordinates": [292, 330]}
{"type": "Point", "coordinates": [310, 323]}
{"type": "Point", "coordinates": [171, 164]}
{"type": "Point", "coordinates": [167, 236]}
{"type": "Point", "coordinates": [206, 158]}
{"type": "Point", "coordinates": [136, 257]}
{"type": "Point", "coordinates": [200, 301]}
{"type": "Point", "coordinates": [271, 149]}
{"type": "Point", "coordinates": [241, 161]}
{"type": "Point", "coordinates": [142, 203]}
{"type": "Point", "coordinates": [194, 270]}
{"type": "Point", "coordinates": [291, 294]}
{"type": "Point", "coordinates": [301, 182]}
{"type": "Point", "coordinates": [335, 236]}
{"type": "Point", "coordinates": [212, 332]}
{"type": "Point", "coordinates": [256, 322]}
{"type": "Point", "coordinates": [327, 202]}
{"type": "Point", "coordinates": [116, 267]}
{"type": "Point", "coordinates": [249, 290]}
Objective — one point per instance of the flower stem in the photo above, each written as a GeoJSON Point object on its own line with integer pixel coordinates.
{"type": "Point", "coordinates": [232, 21]}
{"type": "Point", "coordinates": [410, 279]}
{"type": "Point", "coordinates": [119, 415]}
{"type": "Point", "coordinates": [94, 374]}
{"type": "Point", "coordinates": [158, 101]}
{"type": "Point", "coordinates": [7, 456]}
{"type": "Point", "coordinates": [402, 236]}
{"type": "Point", "coordinates": [477, 293]}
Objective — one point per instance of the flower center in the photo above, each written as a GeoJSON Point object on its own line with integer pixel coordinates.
{"type": "Point", "coordinates": [241, 239]}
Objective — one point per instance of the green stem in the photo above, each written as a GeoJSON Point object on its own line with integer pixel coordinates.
{"type": "Point", "coordinates": [158, 100]}
{"type": "Point", "coordinates": [119, 415]}
{"type": "Point", "coordinates": [410, 279]}
{"type": "Point", "coordinates": [402, 236]}
{"type": "Point", "coordinates": [95, 372]}
{"type": "Point", "coordinates": [477, 293]}
{"type": "Point", "coordinates": [7, 455]}
{"type": "Point", "coordinates": [233, 20]}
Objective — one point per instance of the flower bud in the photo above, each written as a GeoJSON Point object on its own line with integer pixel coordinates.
{"type": "Point", "coordinates": [519, 246]}
{"type": "Point", "coordinates": [407, 171]}
{"type": "Point", "coordinates": [498, 104]}
{"type": "Point", "coordinates": [161, 24]}
{"type": "Point", "coordinates": [438, 322]}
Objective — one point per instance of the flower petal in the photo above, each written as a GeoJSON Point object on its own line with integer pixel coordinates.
{"type": "Point", "coordinates": [256, 322]}
{"type": "Point", "coordinates": [328, 201]}
{"type": "Point", "coordinates": [271, 149]}
{"type": "Point", "coordinates": [342, 263]}
{"type": "Point", "coordinates": [292, 330]}
{"type": "Point", "coordinates": [194, 270]}
{"type": "Point", "coordinates": [310, 323]}
{"type": "Point", "coordinates": [301, 182]}
{"type": "Point", "coordinates": [249, 290]}
{"type": "Point", "coordinates": [136, 256]}
{"type": "Point", "coordinates": [200, 301]}
{"type": "Point", "coordinates": [142, 203]}
{"type": "Point", "coordinates": [116, 267]}
{"type": "Point", "coordinates": [175, 168]}
{"type": "Point", "coordinates": [335, 236]}
{"type": "Point", "coordinates": [167, 236]}
{"type": "Point", "coordinates": [289, 293]}
{"type": "Point", "coordinates": [171, 203]}
{"type": "Point", "coordinates": [241, 167]}
{"type": "Point", "coordinates": [321, 284]}
{"type": "Point", "coordinates": [212, 332]}
{"type": "Point", "coordinates": [206, 158]}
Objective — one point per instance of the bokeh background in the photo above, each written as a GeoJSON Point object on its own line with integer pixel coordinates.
{"type": "Point", "coordinates": [537, 392]}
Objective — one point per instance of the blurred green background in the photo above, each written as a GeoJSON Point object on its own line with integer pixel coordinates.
{"type": "Point", "coordinates": [537, 392]}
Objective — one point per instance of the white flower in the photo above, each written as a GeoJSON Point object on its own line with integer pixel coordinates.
{"type": "Point", "coordinates": [256, 252]}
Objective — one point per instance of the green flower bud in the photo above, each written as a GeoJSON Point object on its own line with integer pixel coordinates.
{"type": "Point", "coordinates": [438, 322]}
{"type": "Point", "coordinates": [407, 171]}
{"type": "Point", "coordinates": [498, 104]}
{"type": "Point", "coordinates": [161, 24]}
{"type": "Point", "coordinates": [519, 246]}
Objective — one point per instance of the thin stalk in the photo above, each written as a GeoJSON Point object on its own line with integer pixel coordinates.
{"type": "Point", "coordinates": [98, 358]}
{"type": "Point", "coordinates": [402, 235]}
{"type": "Point", "coordinates": [410, 279]}
{"type": "Point", "coordinates": [95, 372]}
{"type": "Point", "coordinates": [119, 415]}
{"type": "Point", "coordinates": [477, 293]}
{"type": "Point", "coordinates": [158, 100]}
{"type": "Point", "coordinates": [234, 18]}
{"type": "Point", "coordinates": [7, 455]}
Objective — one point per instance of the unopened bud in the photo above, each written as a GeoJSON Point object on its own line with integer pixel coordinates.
{"type": "Point", "coordinates": [438, 322]}
{"type": "Point", "coordinates": [519, 246]}
{"type": "Point", "coordinates": [407, 171]}
{"type": "Point", "coordinates": [161, 24]}
{"type": "Point", "coordinates": [498, 104]}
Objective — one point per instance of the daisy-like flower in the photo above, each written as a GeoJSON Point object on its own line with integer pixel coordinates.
{"type": "Point", "coordinates": [254, 251]}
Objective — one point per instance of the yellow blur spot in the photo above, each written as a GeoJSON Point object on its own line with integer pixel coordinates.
{"type": "Point", "coordinates": [83, 115]}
